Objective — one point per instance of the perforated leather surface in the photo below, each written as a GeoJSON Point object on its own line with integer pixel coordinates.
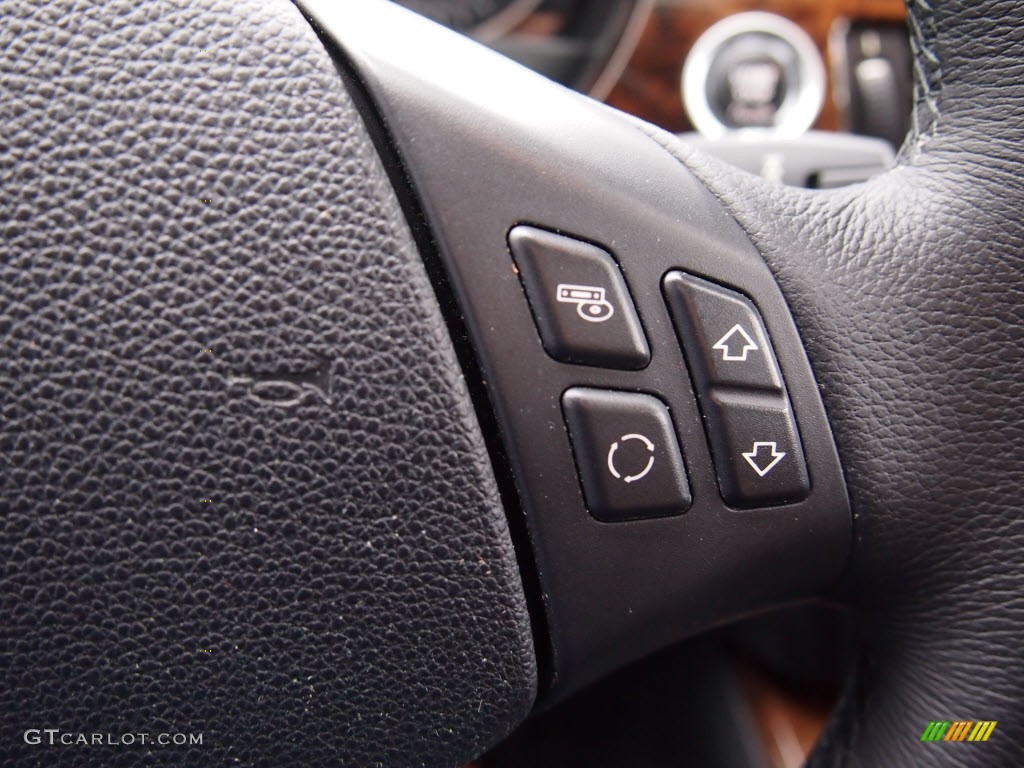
{"type": "Point", "coordinates": [243, 490]}
{"type": "Point", "coordinates": [909, 294]}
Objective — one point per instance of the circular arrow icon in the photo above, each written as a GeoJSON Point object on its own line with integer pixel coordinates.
{"type": "Point", "coordinates": [642, 473]}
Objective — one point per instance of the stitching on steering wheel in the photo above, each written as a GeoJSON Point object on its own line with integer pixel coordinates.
{"type": "Point", "coordinates": [927, 75]}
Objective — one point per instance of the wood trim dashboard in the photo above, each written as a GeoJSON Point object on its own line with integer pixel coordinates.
{"type": "Point", "coordinates": [649, 86]}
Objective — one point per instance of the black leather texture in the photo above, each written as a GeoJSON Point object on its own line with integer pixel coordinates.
{"type": "Point", "coordinates": [909, 294]}
{"type": "Point", "coordinates": [243, 489]}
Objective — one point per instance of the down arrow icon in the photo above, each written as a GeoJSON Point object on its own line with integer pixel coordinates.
{"type": "Point", "coordinates": [764, 463]}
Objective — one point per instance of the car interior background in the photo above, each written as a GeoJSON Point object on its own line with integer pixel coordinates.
{"type": "Point", "coordinates": [338, 351]}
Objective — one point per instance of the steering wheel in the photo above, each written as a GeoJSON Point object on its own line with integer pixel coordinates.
{"type": "Point", "coordinates": [301, 458]}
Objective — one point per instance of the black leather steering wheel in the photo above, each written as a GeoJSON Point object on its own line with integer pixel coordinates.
{"type": "Point", "coordinates": [261, 469]}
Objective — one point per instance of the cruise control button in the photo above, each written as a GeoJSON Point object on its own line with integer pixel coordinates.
{"type": "Point", "coordinates": [756, 449]}
{"type": "Point", "coordinates": [579, 301]}
{"type": "Point", "coordinates": [627, 454]}
{"type": "Point", "coordinates": [722, 335]}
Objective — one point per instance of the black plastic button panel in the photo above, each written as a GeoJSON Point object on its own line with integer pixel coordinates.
{"type": "Point", "coordinates": [627, 454]}
{"type": "Point", "coordinates": [625, 217]}
{"type": "Point", "coordinates": [579, 301]}
{"type": "Point", "coordinates": [753, 435]}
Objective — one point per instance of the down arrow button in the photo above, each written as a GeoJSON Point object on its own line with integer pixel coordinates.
{"type": "Point", "coordinates": [756, 448]}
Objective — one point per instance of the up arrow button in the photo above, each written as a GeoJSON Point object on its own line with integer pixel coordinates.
{"type": "Point", "coordinates": [721, 334]}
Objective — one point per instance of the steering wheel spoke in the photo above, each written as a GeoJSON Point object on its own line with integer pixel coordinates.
{"type": "Point", "coordinates": [671, 453]}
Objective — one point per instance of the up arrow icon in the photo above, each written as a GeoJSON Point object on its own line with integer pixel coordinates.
{"type": "Point", "coordinates": [736, 344]}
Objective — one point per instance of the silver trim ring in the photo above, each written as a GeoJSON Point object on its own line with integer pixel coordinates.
{"type": "Point", "coordinates": [799, 109]}
{"type": "Point", "coordinates": [624, 50]}
{"type": "Point", "coordinates": [504, 21]}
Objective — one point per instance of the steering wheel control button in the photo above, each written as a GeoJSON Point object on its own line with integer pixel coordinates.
{"type": "Point", "coordinates": [756, 449]}
{"type": "Point", "coordinates": [722, 335]}
{"type": "Point", "coordinates": [579, 301]}
{"type": "Point", "coordinates": [627, 453]}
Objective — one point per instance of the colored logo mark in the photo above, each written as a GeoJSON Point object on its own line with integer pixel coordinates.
{"type": "Point", "coordinates": [958, 730]}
